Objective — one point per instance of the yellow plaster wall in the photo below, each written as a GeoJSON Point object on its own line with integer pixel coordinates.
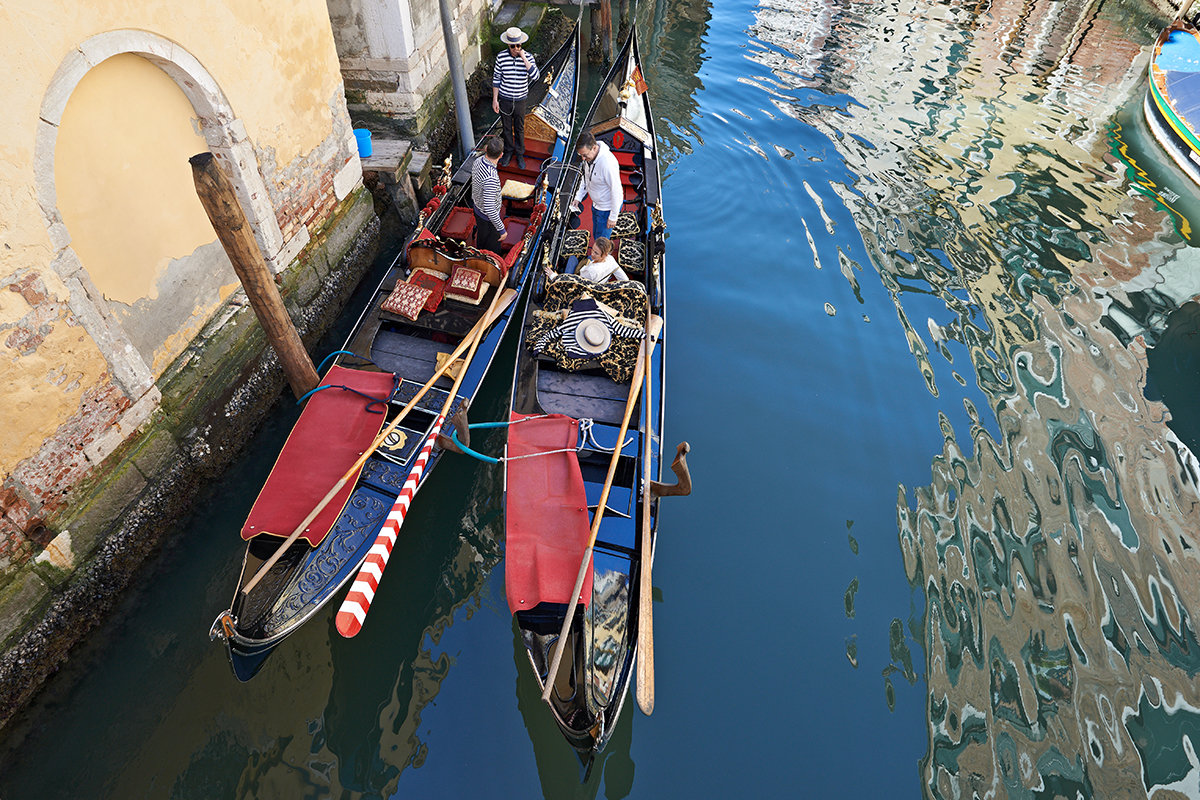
{"type": "Point", "coordinates": [277, 66]}
{"type": "Point", "coordinates": [40, 390]}
{"type": "Point", "coordinates": [124, 185]}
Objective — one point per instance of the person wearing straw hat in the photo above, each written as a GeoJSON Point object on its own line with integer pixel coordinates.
{"type": "Point", "coordinates": [514, 73]}
{"type": "Point", "coordinates": [586, 332]}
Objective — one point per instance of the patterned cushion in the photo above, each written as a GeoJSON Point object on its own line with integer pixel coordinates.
{"type": "Point", "coordinates": [466, 284]}
{"type": "Point", "coordinates": [632, 256]}
{"type": "Point", "coordinates": [517, 190]}
{"type": "Point", "coordinates": [434, 283]}
{"type": "Point", "coordinates": [626, 225]}
{"type": "Point", "coordinates": [407, 300]}
{"type": "Point", "coordinates": [576, 242]}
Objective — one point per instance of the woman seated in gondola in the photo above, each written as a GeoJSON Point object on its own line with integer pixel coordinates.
{"type": "Point", "coordinates": [600, 267]}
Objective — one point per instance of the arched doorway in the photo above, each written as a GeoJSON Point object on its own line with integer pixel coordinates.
{"type": "Point", "coordinates": [133, 338]}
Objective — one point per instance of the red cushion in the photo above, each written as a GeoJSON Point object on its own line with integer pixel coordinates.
{"type": "Point", "coordinates": [459, 223]}
{"type": "Point", "coordinates": [466, 282]}
{"type": "Point", "coordinates": [435, 285]}
{"type": "Point", "coordinates": [515, 233]}
{"type": "Point", "coordinates": [624, 159]}
{"type": "Point", "coordinates": [406, 300]}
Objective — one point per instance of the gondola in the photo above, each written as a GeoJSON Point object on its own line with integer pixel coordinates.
{"type": "Point", "coordinates": [565, 422]}
{"type": "Point", "coordinates": [429, 331]}
{"type": "Point", "coordinates": [1172, 104]}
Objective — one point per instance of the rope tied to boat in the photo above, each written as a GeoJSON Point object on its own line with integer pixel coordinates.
{"type": "Point", "coordinates": [586, 440]}
{"type": "Point", "coordinates": [381, 402]}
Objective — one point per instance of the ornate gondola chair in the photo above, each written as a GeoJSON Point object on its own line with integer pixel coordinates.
{"type": "Point", "coordinates": [584, 325]}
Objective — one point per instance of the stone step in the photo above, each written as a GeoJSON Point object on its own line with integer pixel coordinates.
{"type": "Point", "coordinates": [505, 16]}
{"type": "Point", "coordinates": [532, 17]}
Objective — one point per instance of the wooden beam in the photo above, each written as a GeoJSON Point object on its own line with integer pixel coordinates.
{"type": "Point", "coordinates": [221, 204]}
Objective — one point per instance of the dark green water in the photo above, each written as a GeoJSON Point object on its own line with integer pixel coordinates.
{"type": "Point", "coordinates": [929, 337]}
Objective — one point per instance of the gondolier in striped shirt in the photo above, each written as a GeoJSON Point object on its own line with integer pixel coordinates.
{"type": "Point", "coordinates": [485, 197]}
{"type": "Point", "coordinates": [515, 71]}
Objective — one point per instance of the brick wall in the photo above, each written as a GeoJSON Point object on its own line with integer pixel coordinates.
{"type": "Point", "coordinates": [303, 191]}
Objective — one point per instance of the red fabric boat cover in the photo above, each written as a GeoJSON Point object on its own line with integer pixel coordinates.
{"type": "Point", "coordinates": [333, 431]}
{"type": "Point", "coordinates": [546, 510]}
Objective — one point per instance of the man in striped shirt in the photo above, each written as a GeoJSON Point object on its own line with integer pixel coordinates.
{"type": "Point", "coordinates": [514, 73]}
{"type": "Point", "coordinates": [485, 197]}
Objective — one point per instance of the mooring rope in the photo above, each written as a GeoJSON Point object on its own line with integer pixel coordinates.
{"type": "Point", "coordinates": [585, 437]}
{"type": "Point", "coordinates": [381, 402]}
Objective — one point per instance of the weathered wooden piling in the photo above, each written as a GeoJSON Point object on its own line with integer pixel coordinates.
{"type": "Point", "coordinates": [625, 20]}
{"type": "Point", "coordinates": [595, 51]}
{"type": "Point", "coordinates": [606, 30]}
{"type": "Point", "coordinates": [221, 204]}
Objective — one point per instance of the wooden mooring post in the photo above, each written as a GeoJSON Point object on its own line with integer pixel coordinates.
{"type": "Point", "coordinates": [600, 44]}
{"type": "Point", "coordinates": [606, 30]}
{"type": "Point", "coordinates": [229, 220]}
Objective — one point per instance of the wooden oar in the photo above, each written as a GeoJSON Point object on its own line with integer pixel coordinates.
{"type": "Point", "coordinates": [645, 617]}
{"type": "Point", "coordinates": [501, 302]}
{"type": "Point", "coordinates": [353, 611]}
{"type": "Point", "coordinates": [653, 326]}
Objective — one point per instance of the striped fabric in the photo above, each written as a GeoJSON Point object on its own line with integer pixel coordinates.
{"type": "Point", "coordinates": [511, 76]}
{"type": "Point", "coordinates": [353, 612]}
{"type": "Point", "coordinates": [485, 191]}
{"type": "Point", "coordinates": [581, 311]}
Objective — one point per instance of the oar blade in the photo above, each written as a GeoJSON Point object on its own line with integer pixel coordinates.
{"type": "Point", "coordinates": [645, 671]}
{"type": "Point", "coordinates": [350, 622]}
{"type": "Point", "coordinates": [358, 600]}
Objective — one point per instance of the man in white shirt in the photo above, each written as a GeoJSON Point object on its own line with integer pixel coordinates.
{"type": "Point", "coordinates": [602, 182]}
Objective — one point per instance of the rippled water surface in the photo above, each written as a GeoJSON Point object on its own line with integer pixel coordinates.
{"type": "Point", "coordinates": [930, 338]}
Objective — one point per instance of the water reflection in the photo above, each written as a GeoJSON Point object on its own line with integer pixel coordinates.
{"type": "Point", "coordinates": [1055, 544]}
{"type": "Point", "coordinates": [671, 36]}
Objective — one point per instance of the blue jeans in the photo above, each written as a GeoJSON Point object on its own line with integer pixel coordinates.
{"type": "Point", "coordinates": [600, 226]}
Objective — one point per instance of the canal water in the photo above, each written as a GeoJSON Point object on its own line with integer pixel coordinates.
{"type": "Point", "coordinates": [929, 338]}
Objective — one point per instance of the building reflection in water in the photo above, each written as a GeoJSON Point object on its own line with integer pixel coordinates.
{"type": "Point", "coordinates": [1056, 544]}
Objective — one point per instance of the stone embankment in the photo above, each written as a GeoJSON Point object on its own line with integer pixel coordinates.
{"type": "Point", "coordinates": [213, 400]}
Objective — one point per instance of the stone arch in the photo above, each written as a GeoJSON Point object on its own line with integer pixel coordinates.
{"type": "Point", "coordinates": [225, 135]}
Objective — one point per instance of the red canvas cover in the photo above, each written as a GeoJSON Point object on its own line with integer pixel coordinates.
{"type": "Point", "coordinates": [546, 511]}
{"type": "Point", "coordinates": [333, 431]}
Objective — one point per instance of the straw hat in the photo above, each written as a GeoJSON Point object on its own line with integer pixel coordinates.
{"type": "Point", "coordinates": [592, 336]}
{"type": "Point", "coordinates": [587, 329]}
{"type": "Point", "coordinates": [514, 35]}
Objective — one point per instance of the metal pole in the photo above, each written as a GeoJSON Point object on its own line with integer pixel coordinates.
{"type": "Point", "coordinates": [466, 136]}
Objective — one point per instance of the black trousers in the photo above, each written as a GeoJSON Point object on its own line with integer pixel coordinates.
{"type": "Point", "coordinates": [486, 235]}
{"type": "Point", "coordinates": [512, 120]}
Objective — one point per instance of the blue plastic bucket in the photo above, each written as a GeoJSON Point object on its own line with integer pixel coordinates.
{"type": "Point", "coordinates": [364, 142]}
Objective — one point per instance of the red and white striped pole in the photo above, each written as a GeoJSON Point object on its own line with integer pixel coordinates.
{"type": "Point", "coordinates": [354, 608]}
{"type": "Point", "coordinates": [358, 601]}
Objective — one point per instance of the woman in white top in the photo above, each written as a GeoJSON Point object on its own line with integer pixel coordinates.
{"type": "Point", "coordinates": [600, 267]}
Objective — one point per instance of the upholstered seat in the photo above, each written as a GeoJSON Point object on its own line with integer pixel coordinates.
{"type": "Point", "coordinates": [515, 233]}
{"type": "Point", "coordinates": [459, 223]}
